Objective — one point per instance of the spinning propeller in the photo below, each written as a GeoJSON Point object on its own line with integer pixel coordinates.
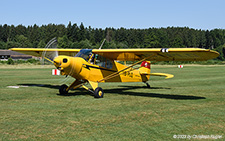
{"type": "Point", "coordinates": [51, 54]}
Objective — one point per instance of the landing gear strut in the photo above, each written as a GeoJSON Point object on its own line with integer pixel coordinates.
{"type": "Point", "coordinates": [148, 86]}
{"type": "Point", "coordinates": [98, 92]}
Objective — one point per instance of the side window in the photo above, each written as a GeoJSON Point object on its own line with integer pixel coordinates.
{"type": "Point", "coordinates": [103, 62]}
{"type": "Point", "coordinates": [109, 64]}
{"type": "Point", "coordinates": [100, 61]}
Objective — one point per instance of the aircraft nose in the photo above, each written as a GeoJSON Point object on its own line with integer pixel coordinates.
{"type": "Point", "coordinates": [62, 62]}
{"type": "Point", "coordinates": [57, 60]}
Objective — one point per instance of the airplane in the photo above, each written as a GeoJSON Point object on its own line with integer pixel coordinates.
{"type": "Point", "coordinates": [102, 65]}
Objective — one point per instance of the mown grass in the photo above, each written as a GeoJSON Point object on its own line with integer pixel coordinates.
{"type": "Point", "coordinates": [191, 103]}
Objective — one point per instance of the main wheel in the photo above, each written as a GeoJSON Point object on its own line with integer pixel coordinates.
{"type": "Point", "coordinates": [98, 92]}
{"type": "Point", "coordinates": [62, 89]}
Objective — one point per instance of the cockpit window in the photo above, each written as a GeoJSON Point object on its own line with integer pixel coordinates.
{"type": "Point", "coordinates": [85, 54]}
{"type": "Point", "coordinates": [96, 59]}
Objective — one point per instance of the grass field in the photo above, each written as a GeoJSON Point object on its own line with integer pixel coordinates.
{"type": "Point", "coordinates": [192, 103]}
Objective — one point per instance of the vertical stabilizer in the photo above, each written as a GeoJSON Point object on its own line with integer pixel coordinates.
{"type": "Point", "coordinates": [145, 70]}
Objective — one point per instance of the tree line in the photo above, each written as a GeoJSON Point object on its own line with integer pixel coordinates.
{"type": "Point", "coordinates": [79, 36]}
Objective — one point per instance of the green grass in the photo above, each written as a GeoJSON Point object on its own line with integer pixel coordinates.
{"type": "Point", "coordinates": [191, 103]}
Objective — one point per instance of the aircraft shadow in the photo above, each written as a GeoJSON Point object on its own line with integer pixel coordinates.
{"type": "Point", "coordinates": [41, 85]}
{"type": "Point", "coordinates": [79, 91]}
{"type": "Point", "coordinates": [123, 90]}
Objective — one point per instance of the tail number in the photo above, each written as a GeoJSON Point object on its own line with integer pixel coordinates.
{"type": "Point", "coordinates": [129, 74]}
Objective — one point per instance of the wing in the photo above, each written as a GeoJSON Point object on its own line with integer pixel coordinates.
{"type": "Point", "coordinates": [38, 51]}
{"type": "Point", "coordinates": [158, 54]}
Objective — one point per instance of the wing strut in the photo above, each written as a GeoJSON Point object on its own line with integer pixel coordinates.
{"type": "Point", "coordinates": [49, 60]}
{"type": "Point", "coordinates": [118, 73]}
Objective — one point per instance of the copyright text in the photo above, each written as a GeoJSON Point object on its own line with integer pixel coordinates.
{"type": "Point", "coordinates": [197, 136]}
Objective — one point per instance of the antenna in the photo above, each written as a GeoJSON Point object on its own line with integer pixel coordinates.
{"type": "Point", "coordinates": [102, 44]}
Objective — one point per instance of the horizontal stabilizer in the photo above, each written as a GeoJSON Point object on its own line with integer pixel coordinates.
{"type": "Point", "coordinates": [160, 74]}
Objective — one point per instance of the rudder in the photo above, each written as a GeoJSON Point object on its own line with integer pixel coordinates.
{"type": "Point", "coordinates": [145, 67]}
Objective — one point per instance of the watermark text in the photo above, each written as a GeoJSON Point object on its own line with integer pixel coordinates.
{"type": "Point", "coordinates": [197, 136]}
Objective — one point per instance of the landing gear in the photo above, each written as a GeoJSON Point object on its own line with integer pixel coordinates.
{"type": "Point", "coordinates": [148, 86]}
{"type": "Point", "coordinates": [98, 93]}
{"type": "Point", "coordinates": [62, 89]}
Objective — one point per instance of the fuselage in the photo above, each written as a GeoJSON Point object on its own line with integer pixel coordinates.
{"type": "Point", "coordinates": [94, 68]}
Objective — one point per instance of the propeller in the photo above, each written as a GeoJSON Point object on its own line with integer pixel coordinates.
{"type": "Point", "coordinates": [50, 55]}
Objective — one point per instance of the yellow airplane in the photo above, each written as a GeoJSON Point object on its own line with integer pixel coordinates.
{"type": "Point", "coordinates": [101, 65]}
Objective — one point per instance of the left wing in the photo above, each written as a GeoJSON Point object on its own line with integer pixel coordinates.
{"type": "Point", "coordinates": [158, 54]}
{"type": "Point", "coordinates": [38, 51]}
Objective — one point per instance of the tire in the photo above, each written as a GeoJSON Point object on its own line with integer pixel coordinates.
{"type": "Point", "coordinates": [62, 89]}
{"type": "Point", "coordinates": [98, 92]}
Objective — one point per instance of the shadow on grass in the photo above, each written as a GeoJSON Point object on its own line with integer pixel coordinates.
{"type": "Point", "coordinates": [122, 90]}
{"type": "Point", "coordinates": [79, 91]}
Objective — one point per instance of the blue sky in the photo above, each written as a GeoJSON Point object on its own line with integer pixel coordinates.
{"type": "Point", "coordinates": [198, 14]}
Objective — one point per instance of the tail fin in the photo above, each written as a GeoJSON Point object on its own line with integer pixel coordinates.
{"type": "Point", "coordinates": [145, 67]}
{"type": "Point", "coordinates": [146, 64]}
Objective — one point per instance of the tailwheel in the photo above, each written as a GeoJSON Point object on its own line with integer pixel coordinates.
{"type": "Point", "coordinates": [148, 86]}
{"type": "Point", "coordinates": [62, 89]}
{"type": "Point", "coordinates": [98, 92]}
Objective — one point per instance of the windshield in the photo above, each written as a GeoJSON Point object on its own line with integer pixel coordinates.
{"type": "Point", "coordinates": [85, 54]}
